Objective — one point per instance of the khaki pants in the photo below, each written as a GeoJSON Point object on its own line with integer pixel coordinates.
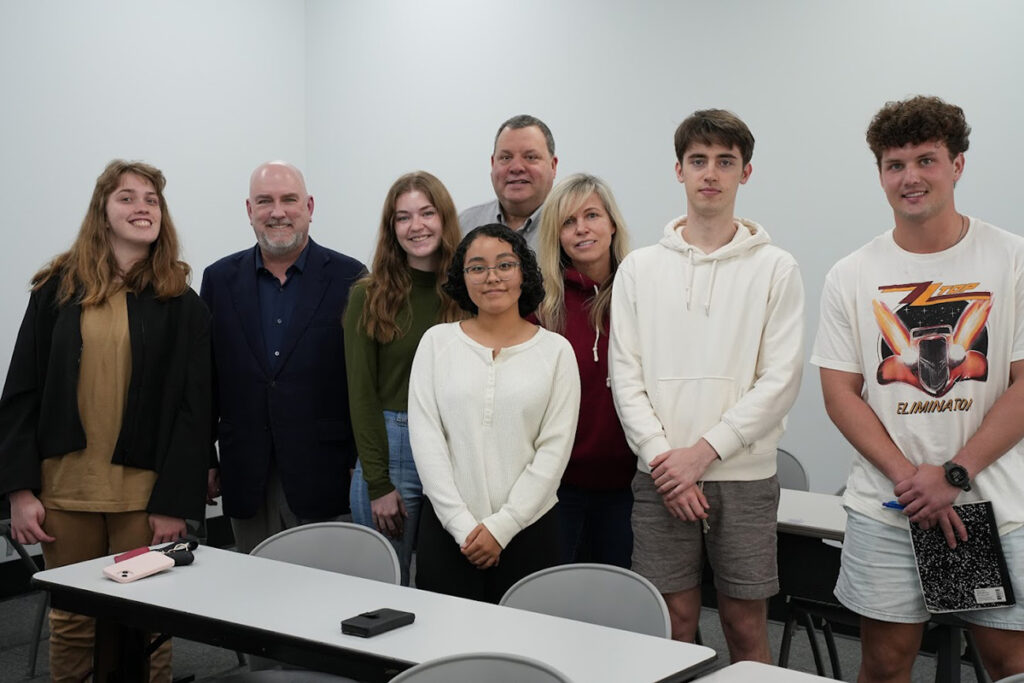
{"type": "Point", "coordinates": [85, 536]}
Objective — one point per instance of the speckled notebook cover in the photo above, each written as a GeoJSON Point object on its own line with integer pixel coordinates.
{"type": "Point", "coordinates": [971, 576]}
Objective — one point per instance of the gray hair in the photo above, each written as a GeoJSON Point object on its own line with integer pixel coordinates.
{"type": "Point", "coordinates": [525, 121]}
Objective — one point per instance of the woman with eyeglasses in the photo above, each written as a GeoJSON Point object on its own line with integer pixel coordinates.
{"type": "Point", "coordinates": [493, 402]}
{"type": "Point", "coordinates": [582, 240]}
{"type": "Point", "coordinates": [388, 312]}
{"type": "Point", "coordinates": [105, 415]}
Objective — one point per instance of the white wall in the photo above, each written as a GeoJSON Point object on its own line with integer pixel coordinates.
{"type": "Point", "coordinates": [203, 90]}
{"type": "Point", "coordinates": [357, 92]}
{"type": "Point", "coordinates": [395, 86]}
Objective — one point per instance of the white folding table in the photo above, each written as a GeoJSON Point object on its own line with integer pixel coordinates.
{"type": "Point", "coordinates": [293, 613]}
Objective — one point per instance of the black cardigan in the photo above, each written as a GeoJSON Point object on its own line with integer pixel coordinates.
{"type": "Point", "coordinates": [166, 422]}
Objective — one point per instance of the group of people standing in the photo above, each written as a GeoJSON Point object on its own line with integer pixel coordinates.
{"type": "Point", "coordinates": [532, 392]}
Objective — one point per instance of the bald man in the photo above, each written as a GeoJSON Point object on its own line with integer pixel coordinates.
{"type": "Point", "coordinates": [281, 407]}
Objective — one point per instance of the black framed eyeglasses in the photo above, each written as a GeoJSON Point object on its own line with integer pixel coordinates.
{"type": "Point", "coordinates": [477, 273]}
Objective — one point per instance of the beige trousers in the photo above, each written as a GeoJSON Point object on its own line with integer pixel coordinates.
{"type": "Point", "coordinates": [85, 536]}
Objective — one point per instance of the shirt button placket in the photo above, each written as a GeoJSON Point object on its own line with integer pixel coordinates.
{"type": "Point", "coordinates": [489, 394]}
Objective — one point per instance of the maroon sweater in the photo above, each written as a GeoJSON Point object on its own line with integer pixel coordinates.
{"type": "Point", "coordinates": [601, 460]}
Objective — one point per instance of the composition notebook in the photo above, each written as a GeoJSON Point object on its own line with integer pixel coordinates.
{"type": "Point", "coordinates": [971, 576]}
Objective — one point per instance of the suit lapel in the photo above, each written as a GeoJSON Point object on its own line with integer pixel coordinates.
{"type": "Point", "coordinates": [245, 297]}
{"type": "Point", "coordinates": [312, 287]}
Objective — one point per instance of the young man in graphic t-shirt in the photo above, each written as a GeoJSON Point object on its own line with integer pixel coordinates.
{"type": "Point", "coordinates": [921, 346]}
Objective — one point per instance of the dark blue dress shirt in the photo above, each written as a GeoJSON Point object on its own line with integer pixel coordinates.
{"type": "Point", "coordinates": [277, 302]}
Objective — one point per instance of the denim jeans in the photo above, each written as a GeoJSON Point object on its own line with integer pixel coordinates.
{"type": "Point", "coordinates": [595, 525]}
{"type": "Point", "coordinates": [402, 470]}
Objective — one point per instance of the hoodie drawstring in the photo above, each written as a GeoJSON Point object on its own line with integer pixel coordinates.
{"type": "Point", "coordinates": [597, 338]}
{"type": "Point", "coordinates": [711, 287]}
{"type": "Point", "coordinates": [689, 286]}
{"type": "Point", "coordinates": [711, 284]}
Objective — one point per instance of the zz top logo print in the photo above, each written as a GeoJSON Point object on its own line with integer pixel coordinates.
{"type": "Point", "coordinates": [936, 336]}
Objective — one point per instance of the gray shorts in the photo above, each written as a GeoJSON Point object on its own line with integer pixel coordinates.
{"type": "Point", "coordinates": [740, 541]}
{"type": "Point", "coordinates": [878, 578]}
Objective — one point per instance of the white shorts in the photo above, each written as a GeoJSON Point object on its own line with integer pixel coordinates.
{"type": "Point", "coordinates": [878, 577]}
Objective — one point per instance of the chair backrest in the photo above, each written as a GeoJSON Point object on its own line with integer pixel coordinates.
{"type": "Point", "coordinates": [790, 472]}
{"type": "Point", "coordinates": [595, 593]}
{"type": "Point", "coordinates": [493, 667]}
{"type": "Point", "coordinates": [340, 547]}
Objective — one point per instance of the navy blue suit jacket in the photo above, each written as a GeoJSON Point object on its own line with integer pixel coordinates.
{"type": "Point", "coordinates": [296, 414]}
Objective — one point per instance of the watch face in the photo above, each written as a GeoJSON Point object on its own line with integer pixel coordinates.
{"type": "Point", "coordinates": [956, 475]}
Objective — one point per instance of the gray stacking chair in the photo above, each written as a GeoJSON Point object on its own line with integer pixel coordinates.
{"type": "Point", "coordinates": [489, 667]}
{"type": "Point", "coordinates": [800, 612]}
{"type": "Point", "coordinates": [790, 472]}
{"type": "Point", "coordinates": [595, 593]}
{"type": "Point", "coordinates": [341, 547]}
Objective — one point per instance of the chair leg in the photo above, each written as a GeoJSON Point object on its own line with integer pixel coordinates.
{"type": "Point", "coordinates": [30, 566]}
{"type": "Point", "coordinates": [787, 640]}
{"type": "Point", "coordinates": [947, 656]}
{"type": "Point", "coordinates": [972, 650]}
{"type": "Point", "coordinates": [37, 634]}
{"type": "Point", "coordinates": [833, 653]}
{"type": "Point", "coordinates": [812, 637]}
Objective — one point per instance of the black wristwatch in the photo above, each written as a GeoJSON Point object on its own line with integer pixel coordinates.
{"type": "Point", "coordinates": [956, 475]}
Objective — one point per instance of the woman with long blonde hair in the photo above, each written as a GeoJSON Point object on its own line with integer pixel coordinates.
{"type": "Point", "coordinates": [105, 415]}
{"type": "Point", "coordinates": [582, 240]}
{"type": "Point", "coordinates": [388, 312]}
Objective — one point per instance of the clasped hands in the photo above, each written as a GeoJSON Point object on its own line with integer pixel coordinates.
{"type": "Point", "coordinates": [481, 548]}
{"type": "Point", "coordinates": [676, 473]}
{"type": "Point", "coordinates": [927, 499]}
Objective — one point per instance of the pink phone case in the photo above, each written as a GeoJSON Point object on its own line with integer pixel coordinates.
{"type": "Point", "coordinates": [131, 553]}
{"type": "Point", "coordinates": [138, 567]}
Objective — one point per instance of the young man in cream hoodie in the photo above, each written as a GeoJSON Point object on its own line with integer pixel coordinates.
{"type": "Point", "coordinates": [705, 362]}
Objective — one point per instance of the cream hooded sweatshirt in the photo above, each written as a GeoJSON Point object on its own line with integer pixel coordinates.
{"type": "Point", "coordinates": [707, 345]}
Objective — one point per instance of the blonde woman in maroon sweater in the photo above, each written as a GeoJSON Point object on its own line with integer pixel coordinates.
{"type": "Point", "coordinates": [581, 242]}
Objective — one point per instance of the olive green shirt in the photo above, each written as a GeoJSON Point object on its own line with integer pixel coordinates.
{"type": "Point", "coordinates": [378, 374]}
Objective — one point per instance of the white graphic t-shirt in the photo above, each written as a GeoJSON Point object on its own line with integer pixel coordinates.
{"type": "Point", "coordinates": [933, 335]}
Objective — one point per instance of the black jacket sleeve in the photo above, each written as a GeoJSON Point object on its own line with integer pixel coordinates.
{"type": "Point", "coordinates": [180, 489]}
{"type": "Point", "coordinates": [19, 410]}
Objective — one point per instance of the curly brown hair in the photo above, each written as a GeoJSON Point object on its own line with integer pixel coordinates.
{"type": "Point", "coordinates": [532, 288]}
{"type": "Point", "coordinates": [916, 120]}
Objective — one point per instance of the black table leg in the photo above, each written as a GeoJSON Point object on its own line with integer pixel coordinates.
{"type": "Point", "coordinates": [120, 654]}
{"type": "Point", "coordinates": [947, 654]}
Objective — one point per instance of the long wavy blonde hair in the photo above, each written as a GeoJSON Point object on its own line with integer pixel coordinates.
{"type": "Point", "coordinates": [88, 271]}
{"type": "Point", "coordinates": [564, 200]}
{"type": "Point", "coordinates": [389, 283]}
